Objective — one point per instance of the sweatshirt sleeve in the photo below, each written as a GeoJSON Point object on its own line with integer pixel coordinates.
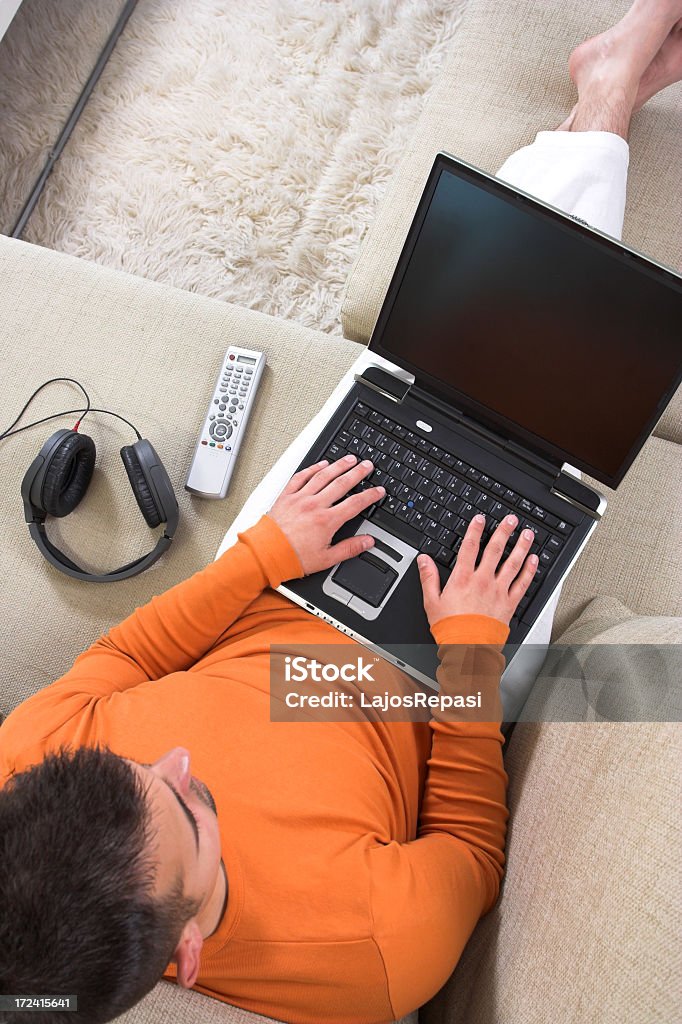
{"type": "Point", "coordinates": [169, 634]}
{"type": "Point", "coordinates": [428, 894]}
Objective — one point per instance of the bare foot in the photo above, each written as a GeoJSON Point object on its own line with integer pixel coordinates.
{"type": "Point", "coordinates": [664, 70]}
{"type": "Point", "coordinates": [608, 69]}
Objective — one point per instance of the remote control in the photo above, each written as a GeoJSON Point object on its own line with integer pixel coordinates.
{"type": "Point", "coordinates": [225, 423]}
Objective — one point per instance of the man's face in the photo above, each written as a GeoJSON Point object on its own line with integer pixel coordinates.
{"type": "Point", "coordinates": [187, 839]}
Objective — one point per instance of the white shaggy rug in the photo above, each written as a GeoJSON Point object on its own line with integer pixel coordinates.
{"type": "Point", "coordinates": [238, 149]}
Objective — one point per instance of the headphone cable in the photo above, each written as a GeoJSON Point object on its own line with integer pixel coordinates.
{"type": "Point", "coordinates": [9, 432]}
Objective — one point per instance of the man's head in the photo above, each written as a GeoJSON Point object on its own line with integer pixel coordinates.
{"type": "Point", "coordinates": [109, 869]}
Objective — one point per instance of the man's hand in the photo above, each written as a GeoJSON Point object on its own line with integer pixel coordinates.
{"type": "Point", "coordinates": [486, 590]}
{"type": "Point", "coordinates": [304, 511]}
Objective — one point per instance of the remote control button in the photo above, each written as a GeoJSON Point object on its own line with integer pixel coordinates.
{"type": "Point", "coordinates": [241, 406]}
{"type": "Point", "coordinates": [215, 401]}
{"type": "Point", "coordinates": [231, 355]}
{"type": "Point", "coordinates": [222, 407]}
{"type": "Point", "coordinates": [211, 444]}
{"type": "Point", "coordinates": [212, 416]}
{"type": "Point", "coordinates": [204, 442]}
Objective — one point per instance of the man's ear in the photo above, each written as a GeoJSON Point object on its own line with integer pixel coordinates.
{"type": "Point", "coordinates": [187, 954]}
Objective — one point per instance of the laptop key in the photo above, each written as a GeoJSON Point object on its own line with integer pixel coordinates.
{"type": "Point", "coordinates": [357, 447]}
{"type": "Point", "coordinates": [540, 534]}
{"type": "Point", "coordinates": [418, 520]}
{"type": "Point", "coordinates": [467, 511]}
{"type": "Point", "coordinates": [430, 546]}
{"type": "Point", "coordinates": [387, 424]}
{"type": "Point", "coordinates": [445, 556]}
{"type": "Point", "coordinates": [423, 445]}
{"type": "Point", "coordinates": [484, 502]}
{"type": "Point", "coordinates": [374, 417]}
{"type": "Point", "coordinates": [446, 536]}
{"type": "Point", "coordinates": [448, 460]}
{"type": "Point", "coordinates": [454, 504]}
{"type": "Point", "coordinates": [473, 474]}
{"type": "Point", "coordinates": [343, 438]}
{"type": "Point", "coordinates": [462, 467]}
{"type": "Point", "coordinates": [413, 460]}
{"type": "Point", "coordinates": [404, 512]}
{"type": "Point", "coordinates": [546, 556]}
{"type": "Point", "coordinates": [510, 496]}
{"type": "Point", "coordinates": [525, 506]}
{"type": "Point", "coordinates": [441, 476]}
{"type": "Point", "coordinates": [361, 409]}
{"type": "Point", "coordinates": [334, 452]}
{"type": "Point", "coordinates": [369, 434]}
{"type": "Point", "coordinates": [563, 527]}
{"type": "Point", "coordinates": [449, 520]}
{"type": "Point", "coordinates": [399, 430]}
{"type": "Point", "coordinates": [392, 486]}
{"type": "Point", "coordinates": [499, 511]}
{"type": "Point", "coordinates": [461, 528]}
{"type": "Point", "coordinates": [539, 513]}
{"type": "Point", "coordinates": [357, 427]}
{"type": "Point", "coordinates": [396, 526]}
{"type": "Point", "coordinates": [554, 544]}
{"type": "Point", "coordinates": [432, 529]}
{"type": "Point", "coordinates": [386, 444]}
{"type": "Point", "coordinates": [497, 488]}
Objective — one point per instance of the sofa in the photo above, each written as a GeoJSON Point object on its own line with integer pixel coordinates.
{"type": "Point", "coordinates": [585, 929]}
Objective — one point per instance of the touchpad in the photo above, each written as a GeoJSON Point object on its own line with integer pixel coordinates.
{"type": "Point", "coordinates": [367, 577]}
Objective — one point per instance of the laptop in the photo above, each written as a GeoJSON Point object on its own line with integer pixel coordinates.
{"type": "Point", "coordinates": [516, 348]}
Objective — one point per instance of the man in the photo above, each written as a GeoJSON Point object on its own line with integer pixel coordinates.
{"type": "Point", "coordinates": [348, 863]}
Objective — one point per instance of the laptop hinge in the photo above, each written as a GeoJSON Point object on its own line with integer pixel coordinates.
{"type": "Point", "coordinates": [385, 383]}
{"type": "Point", "coordinates": [571, 489]}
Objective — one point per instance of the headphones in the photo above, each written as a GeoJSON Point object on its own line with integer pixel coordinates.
{"type": "Point", "coordinates": [59, 476]}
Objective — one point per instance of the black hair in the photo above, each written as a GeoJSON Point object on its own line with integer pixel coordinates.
{"type": "Point", "coordinates": [77, 910]}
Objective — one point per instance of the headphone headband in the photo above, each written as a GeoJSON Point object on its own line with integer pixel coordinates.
{"type": "Point", "coordinates": [58, 478]}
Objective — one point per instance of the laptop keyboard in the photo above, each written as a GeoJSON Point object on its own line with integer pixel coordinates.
{"type": "Point", "coordinates": [432, 495]}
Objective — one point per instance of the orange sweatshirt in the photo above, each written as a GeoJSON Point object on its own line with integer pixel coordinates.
{"type": "Point", "coordinates": [359, 856]}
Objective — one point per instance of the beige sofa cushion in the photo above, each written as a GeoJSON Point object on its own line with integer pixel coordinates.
{"type": "Point", "coordinates": [611, 665]}
{"type": "Point", "coordinates": [506, 79]}
{"type": "Point", "coordinates": [587, 928]}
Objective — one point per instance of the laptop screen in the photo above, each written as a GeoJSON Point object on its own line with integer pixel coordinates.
{"type": "Point", "coordinates": [557, 338]}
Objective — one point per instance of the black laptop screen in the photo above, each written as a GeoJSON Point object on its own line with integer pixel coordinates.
{"type": "Point", "coordinates": [535, 325]}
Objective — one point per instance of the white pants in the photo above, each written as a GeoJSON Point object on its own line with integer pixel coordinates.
{"type": "Point", "coordinates": [582, 173]}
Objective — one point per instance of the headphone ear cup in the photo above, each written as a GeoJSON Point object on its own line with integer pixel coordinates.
{"type": "Point", "coordinates": [143, 496]}
{"type": "Point", "coordinates": [68, 474]}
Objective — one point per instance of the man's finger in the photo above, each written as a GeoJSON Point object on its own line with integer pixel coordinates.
{"type": "Point", "coordinates": [468, 552]}
{"type": "Point", "coordinates": [348, 548]}
{"type": "Point", "coordinates": [494, 549]}
{"type": "Point", "coordinates": [524, 579]}
{"type": "Point", "coordinates": [303, 476]}
{"type": "Point", "coordinates": [330, 473]}
{"type": "Point", "coordinates": [354, 504]}
{"type": "Point", "coordinates": [340, 486]}
{"type": "Point", "coordinates": [430, 581]}
{"type": "Point", "coordinates": [509, 568]}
